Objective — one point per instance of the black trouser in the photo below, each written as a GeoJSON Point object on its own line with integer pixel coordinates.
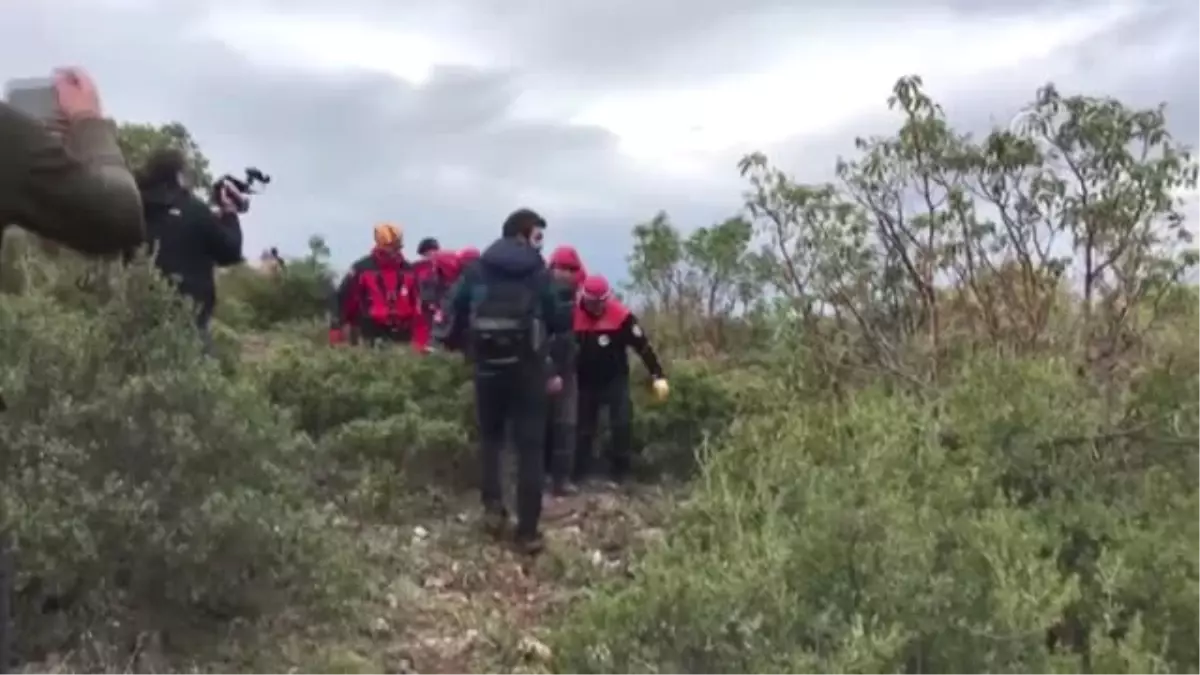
{"type": "Point", "coordinates": [614, 395]}
{"type": "Point", "coordinates": [561, 422]}
{"type": "Point", "coordinates": [514, 395]}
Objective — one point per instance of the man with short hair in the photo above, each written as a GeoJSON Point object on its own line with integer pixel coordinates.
{"type": "Point", "coordinates": [507, 309]}
{"type": "Point", "coordinates": [190, 238]}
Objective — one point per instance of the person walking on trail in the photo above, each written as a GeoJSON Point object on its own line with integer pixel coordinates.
{"type": "Point", "coordinates": [606, 329]}
{"type": "Point", "coordinates": [563, 408]}
{"type": "Point", "coordinates": [506, 306]}
{"type": "Point", "coordinates": [71, 186]}
{"type": "Point", "coordinates": [378, 297]}
{"type": "Point", "coordinates": [74, 187]}
{"type": "Point", "coordinates": [436, 275]}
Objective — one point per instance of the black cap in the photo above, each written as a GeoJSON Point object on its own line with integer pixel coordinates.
{"type": "Point", "coordinates": [427, 245]}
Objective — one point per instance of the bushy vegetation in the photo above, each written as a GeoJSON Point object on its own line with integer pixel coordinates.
{"type": "Point", "coordinates": [939, 442]}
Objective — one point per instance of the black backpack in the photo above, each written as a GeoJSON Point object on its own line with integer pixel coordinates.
{"type": "Point", "coordinates": [505, 329]}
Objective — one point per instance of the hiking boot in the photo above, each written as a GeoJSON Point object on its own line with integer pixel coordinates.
{"type": "Point", "coordinates": [529, 545]}
{"type": "Point", "coordinates": [495, 522]}
{"type": "Point", "coordinates": [564, 489]}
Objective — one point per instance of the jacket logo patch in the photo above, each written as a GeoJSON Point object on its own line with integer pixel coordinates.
{"type": "Point", "coordinates": [636, 330]}
{"type": "Point", "coordinates": [603, 340]}
{"type": "Point", "coordinates": [175, 212]}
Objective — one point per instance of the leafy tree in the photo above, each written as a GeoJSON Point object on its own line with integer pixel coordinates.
{"type": "Point", "coordinates": [139, 140]}
{"type": "Point", "coordinates": [1007, 228]}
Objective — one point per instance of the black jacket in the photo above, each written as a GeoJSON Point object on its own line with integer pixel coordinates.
{"type": "Point", "coordinates": [190, 241]}
{"type": "Point", "coordinates": [507, 260]}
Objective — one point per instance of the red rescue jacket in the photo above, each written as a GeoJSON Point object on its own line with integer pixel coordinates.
{"type": "Point", "coordinates": [379, 294]}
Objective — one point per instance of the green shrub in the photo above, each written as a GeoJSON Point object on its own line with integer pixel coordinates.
{"type": "Point", "coordinates": [890, 534]}
{"type": "Point", "coordinates": [145, 489]}
{"type": "Point", "coordinates": [251, 299]}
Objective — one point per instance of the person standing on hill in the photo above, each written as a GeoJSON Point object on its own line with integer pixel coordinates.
{"type": "Point", "coordinates": [506, 310]}
{"type": "Point", "coordinates": [561, 420]}
{"type": "Point", "coordinates": [378, 297]}
{"type": "Point", "coordinates": [606, 329]}
{"type": "Point", "coordinates": [436, 276]}
{"type": "Point", "coordinates": [190, 239]}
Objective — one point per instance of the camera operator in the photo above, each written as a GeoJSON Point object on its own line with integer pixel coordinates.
{"type": "Point", "coordinates": [191, 238]}
{"type": "Point", "coordinates": [72, 188]}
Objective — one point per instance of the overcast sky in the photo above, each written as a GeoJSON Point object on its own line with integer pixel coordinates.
{"type": "Point", "coordinates": [444, 116]}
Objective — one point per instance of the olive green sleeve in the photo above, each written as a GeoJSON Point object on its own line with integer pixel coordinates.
{"type": "Point", "coordinates": [76, 190]}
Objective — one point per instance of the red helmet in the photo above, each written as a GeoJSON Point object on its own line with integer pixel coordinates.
{"type": "Point", "coordinates": [447, 264]}
{"type": "Point", "coordinates": [595, 287]}
{"type": "Point", "coordinates": [566, 257]}
{"type": "Point", "coordinates": [467, 254]}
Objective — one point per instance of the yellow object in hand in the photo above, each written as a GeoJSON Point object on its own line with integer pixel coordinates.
{"type": "Point", "coordinates": [661, 388]}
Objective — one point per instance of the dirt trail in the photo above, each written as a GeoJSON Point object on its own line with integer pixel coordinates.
{"type": "Point", "coordinates": [446, 598]}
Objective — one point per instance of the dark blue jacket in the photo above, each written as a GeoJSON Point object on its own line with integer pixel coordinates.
{"type": "Point", "coordinates": [508, 260]}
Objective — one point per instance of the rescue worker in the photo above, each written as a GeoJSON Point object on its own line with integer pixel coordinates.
{"type": "Point", "coordinates": [563, 408]}
{"type": "Point", "coordinates": [605, 329]}
{"type": "Point", "coordinates": [75, 188]}
{"type": "Point", "coordinates": [436, 275]}
{"type": "Point", "coordinates": [378, 297]}
{"type": "Point", "coordinates": [505, 311]}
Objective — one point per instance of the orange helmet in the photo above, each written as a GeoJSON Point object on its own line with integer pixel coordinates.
{"type": "Point", "coordinates": [388, 235]}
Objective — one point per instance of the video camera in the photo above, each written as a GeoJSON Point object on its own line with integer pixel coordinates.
{"type": "Point", "coordinates": [240, 189]}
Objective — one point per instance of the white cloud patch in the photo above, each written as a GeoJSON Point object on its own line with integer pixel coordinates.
{"type": "Point", "coordinates": [837, 72]}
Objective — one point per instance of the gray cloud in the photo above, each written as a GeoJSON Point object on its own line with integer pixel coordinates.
{"type": "Point", "coordinates": [445, 158]}
{"type": "Point", "coordinates": [451, 157]}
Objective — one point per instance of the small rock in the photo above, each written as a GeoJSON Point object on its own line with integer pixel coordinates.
{"type": "Point", "coordinates": [393, 602]}
{"type": "Point", "coordinates": [380, 625]}
{"type": "Point", "coordinates": [420, 533]}
{"type": "Point", "coordinates": [651, 535]}
{"type": "Point", "coordinates": [463, 517]}
{"type": "Point", "coordinates": [435, 583]}
{"type": "Point", "coordinates": [597, 557]}
{"type": "Point", "coordinates": [534, 649]}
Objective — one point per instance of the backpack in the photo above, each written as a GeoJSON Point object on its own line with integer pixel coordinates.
{"type": "Point", "coordinates": [505, 329]}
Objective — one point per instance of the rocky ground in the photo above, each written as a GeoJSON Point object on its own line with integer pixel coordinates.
{"type": "Point", "coordinates": [446, 598]}
{"type": "Point", "coordinates": [441, 596]}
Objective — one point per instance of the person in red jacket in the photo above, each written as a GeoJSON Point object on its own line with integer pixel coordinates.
{"type": "Point", "coordinates": [466, 256]}
{"type": "Point", "coordinates": [605, 329]}
{"type": "Point", "coordinates": [378, 297]}
{"type": "Point", "coordinates": [436, 276]}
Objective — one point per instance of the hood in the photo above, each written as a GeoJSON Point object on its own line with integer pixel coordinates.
{"type": "Point", "coordinates": [512, 259]}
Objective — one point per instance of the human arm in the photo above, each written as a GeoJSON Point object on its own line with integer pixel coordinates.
{"type": "Point", "coordinates": [633, 335]}
{"type": "Point", "coordinates": [221, 230]}
{"type": "Point", "coordinates": [76, 190]}
{"type": "Point", "coordinates": [343, 306]}
{"type": "Point", "coordinates": [456, 309]}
